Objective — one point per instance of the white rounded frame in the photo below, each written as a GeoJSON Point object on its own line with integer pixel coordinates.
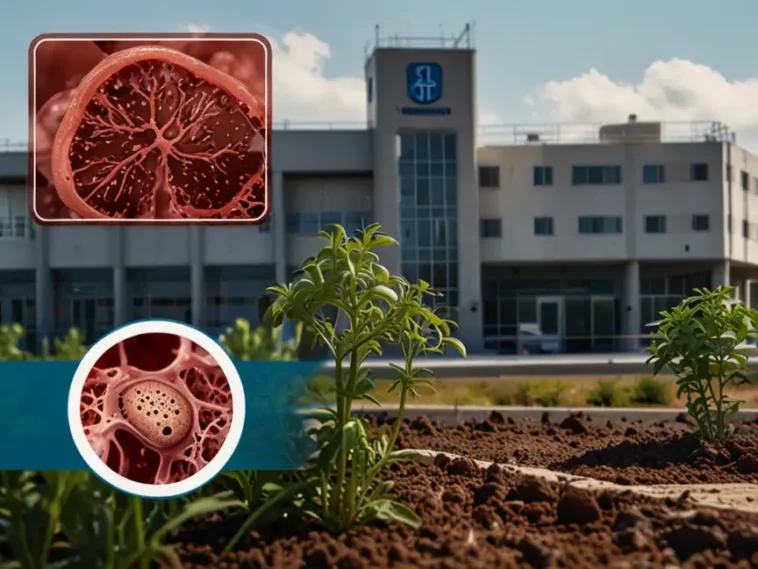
{"type": "Point", "coordinates": [200, 478]}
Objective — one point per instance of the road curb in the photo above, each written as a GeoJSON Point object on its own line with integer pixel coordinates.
{"type": "Point", "coordinates": [449, 415]}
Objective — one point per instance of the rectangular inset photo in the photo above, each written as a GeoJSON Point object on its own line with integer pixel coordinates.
{"type": "Point", "coordinates": [149, 129]}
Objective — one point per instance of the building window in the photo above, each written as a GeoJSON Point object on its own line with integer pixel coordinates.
{"type": "Point", "coordinates": [728, 173]}
{"type": "Point", "coordinates": [593, 224]}
{"type": "Point", "coordinates": [543, 175]}
{"type": "Point", "coordinates": [489, 176]}
{"type": "Point", "coordinates": [490, 228]}
{"type": "Point", "coordinates": [655, 224]}
{"type": "Point", "coordinates": [16, 227]}
{"type": "Point", "coordinates": [653, 174]}
{"type": "Point", "coordinates": [428, 167]}
{"type": "Point", "coordinates": [328, 219]}
{"type": "Point", "coordinates": [729, 223]}
{"type": "Point", "coordinates": [311, 223]}
{"type": "Point", "coordinates": [745, 228]}
{"type": "Point", "coordinates": [543, 225]}
{"type": "Point", "coordinates": [356, 221]}
{"type": "Point", "coordinates": [595, 175]}
{"type": "Point", "coordinates": [370, 89]}
{"type": "Point", "coordinates": [699, 172]}
{"type": "Point", "coordinates": [701, 222]}
{"type": "Point", "coordinates": [744, 180]}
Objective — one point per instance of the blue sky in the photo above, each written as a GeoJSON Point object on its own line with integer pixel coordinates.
{"type": "Point", "coordinates": [540, 52]}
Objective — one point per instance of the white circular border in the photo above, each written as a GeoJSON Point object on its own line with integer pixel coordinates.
{"type": "Point", "coordinates": [198, 479]}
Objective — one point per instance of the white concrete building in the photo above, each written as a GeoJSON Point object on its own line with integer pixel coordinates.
{"type": "Point", "coordinates": [549, 241]}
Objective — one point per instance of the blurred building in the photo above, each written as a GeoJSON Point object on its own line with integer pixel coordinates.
{"type": "Point", "coordinates": [544, 238]}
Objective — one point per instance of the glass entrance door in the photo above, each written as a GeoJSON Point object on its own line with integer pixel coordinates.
{"type": "Point", "coordinates": [551, 326]}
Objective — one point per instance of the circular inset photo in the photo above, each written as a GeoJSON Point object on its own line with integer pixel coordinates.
{"type": "Point", "coordinates": [156, 408]}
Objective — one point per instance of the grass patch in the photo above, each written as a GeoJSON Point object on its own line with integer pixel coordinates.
{"type": "Point", "coordinates": [567, 391]}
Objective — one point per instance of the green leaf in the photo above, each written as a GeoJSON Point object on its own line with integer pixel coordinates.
{"type": "Point", "coordinates": [385, 293]}
{"type": "Point", "coordinates": [390, 510]}
{"type": "Point", "coordinates": [200, 507]}
{"type": "Point", "coordinates": [456, 344]}
{"type": "Point", "coordinates": [371, 398]}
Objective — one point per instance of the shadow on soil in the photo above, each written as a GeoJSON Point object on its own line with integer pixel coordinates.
{"type": "Point", "coordinates": [685, 449]}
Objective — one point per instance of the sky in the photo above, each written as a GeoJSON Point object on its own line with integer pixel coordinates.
{"type": "Point", "coordinates": [537, 61]}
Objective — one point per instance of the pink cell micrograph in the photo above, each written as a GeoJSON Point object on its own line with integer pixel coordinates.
{"type": "Point", "coordinates": [156, 408]}
{"type": "Point", "coordinates": [153, 131]}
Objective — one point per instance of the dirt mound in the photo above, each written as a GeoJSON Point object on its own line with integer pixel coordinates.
{"type": "Point", "coordinates": [488, 519]}
{"type": "Point", "coordinates": [623, 453]}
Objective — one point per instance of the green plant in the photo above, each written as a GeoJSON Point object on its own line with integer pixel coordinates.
{"type": "Point", "coordinates": [703, 342]}
{"type": "Point", "coordinates": [111, 530]}
{"type": "Point", "coordinates": [31, 507]}
{"type": "Point", "coordinates": [10, 337]}
{"type": "Point", "coordinates": [261, 343]}
{"type": "Point", "coordinates": [651, 391]}
{"type": "Point", "coordinates": [346, 282]}
{"type": "Point", "coordinates": [607, 393]}
{"type": "Point", "coordinates": [71, 347]}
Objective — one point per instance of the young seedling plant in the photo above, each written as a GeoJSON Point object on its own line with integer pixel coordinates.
{"type": "Point", "coordinates": [355, 308]}
{"type": "Point", "coordinates": [703, 341]}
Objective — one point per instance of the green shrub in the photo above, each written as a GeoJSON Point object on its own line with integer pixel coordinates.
{"type": "Point", "coordinates": [651, 391]}
{"type": "Point", "coordinates": [607, 393]}
{"type": "Point", "coordinates": [703, 341]}
{"type": "Point", "coordinates": [245, 343]}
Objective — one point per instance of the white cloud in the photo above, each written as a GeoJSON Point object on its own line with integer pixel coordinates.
{"type": "Point", "coordinates": [196, 28]}
{"type": "Point", "coordinates": [302, 91]}
{"type": "Point", "coordinates": [487, 116]}
{"type": "Point", "coordinates": [674, 90]}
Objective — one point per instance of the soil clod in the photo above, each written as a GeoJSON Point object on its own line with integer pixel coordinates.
{"type": "Point", "coordinates": [577, 507]}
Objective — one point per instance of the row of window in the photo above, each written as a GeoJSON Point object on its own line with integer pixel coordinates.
{"type": "Point", "coordinates": [652, 174]}
{"type": "Point", "coordinates": [16, 227]}
{"type": "Point", "coordinates": [593, 225]}
{"type": "Point", "coordinates": [744, 179]}
{"type": "Point", "coordinates": [313, 222]}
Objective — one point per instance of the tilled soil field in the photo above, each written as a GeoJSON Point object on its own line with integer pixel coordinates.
{"type": "Point", "coordinates": [491, 519]}
{"type": "Point", "coordinates": [623, 452]}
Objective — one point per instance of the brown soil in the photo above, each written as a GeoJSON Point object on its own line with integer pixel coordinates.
{"type": "Point", "coordinates": [624, 453]}
{"type": "Point", "coordinates": [490, 519]}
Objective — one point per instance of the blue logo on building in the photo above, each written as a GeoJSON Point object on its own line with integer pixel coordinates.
{"type": "Point", "coordinates": [424, 82]}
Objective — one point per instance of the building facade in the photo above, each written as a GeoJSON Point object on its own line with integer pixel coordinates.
{"type": "Point", "coordinates": [540, 244]}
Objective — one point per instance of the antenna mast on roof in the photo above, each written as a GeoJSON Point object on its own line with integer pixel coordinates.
{"type": "Point", "coordinates": [464, 36]}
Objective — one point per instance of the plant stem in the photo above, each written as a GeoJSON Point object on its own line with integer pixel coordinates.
{"type": "Point", "coordinates": [399, 421]}
{"type": "Point", "coordinates": [139, 530]}
{"type": "Point", "coordinates": [720, 402]}
{"type": "Point", "coordinates": [340, 490]}
{"type": "Point", "coordinates": [341, 420]}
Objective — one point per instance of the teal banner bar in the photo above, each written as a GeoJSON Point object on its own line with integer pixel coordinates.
{"type": "Point", "coordinates": [35, 434]}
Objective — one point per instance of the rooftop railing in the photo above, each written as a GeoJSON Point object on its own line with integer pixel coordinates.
{"type": "Point", "coordinates": [534, 134]}
{"type": "Point", "coordinates": [597, 133]}
{"type": "Point", "coordinates": [462, 40]}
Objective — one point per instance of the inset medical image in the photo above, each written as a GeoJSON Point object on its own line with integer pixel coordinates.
{"type": "Point", "coordinates": [164, 129]}
{"type": "Point", "coordinates": [155, 408]}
